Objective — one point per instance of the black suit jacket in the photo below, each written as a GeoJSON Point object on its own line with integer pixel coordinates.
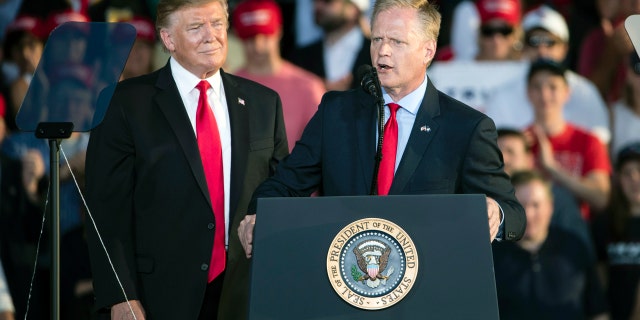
{"type": "Point", "coordinates": [147, 192]}
{"type": "Point", "coordinates": [311, 58]}
{"type": "Point", "coordinates": [452, 149]}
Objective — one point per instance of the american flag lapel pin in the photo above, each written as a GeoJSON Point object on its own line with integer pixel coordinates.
{"type": "Point", "coordinates": [241, 101]}
{"type": "Point", "coordinates": [425, 129]}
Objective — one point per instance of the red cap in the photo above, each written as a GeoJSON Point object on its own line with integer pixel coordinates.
{"type": "Point", "coordinates": [253, 17]}
{"type": "Point", "coordinates": [58, 18]}
{"type": "Point", "coordinates": [145, 30]}
{"type": "Point", "coordinates": [28, 23]}
{"type": "Point", "coordinates": [506, 10]}
{"type": "Point", "coordinates": [3, 106]}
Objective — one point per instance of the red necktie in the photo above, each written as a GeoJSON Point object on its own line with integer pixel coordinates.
{"type": "Point", "coordinates": [211, 155]}
{"type": "Point", "coordinates": [389, 147]}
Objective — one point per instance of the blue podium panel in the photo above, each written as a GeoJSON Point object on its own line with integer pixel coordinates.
{"type": "Point", "coordinates": [297, 239]}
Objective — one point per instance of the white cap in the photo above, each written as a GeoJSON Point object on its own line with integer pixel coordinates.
{"type": "Point", "coordinates": [547, 19]}
{"type": "Point", "coordinates": [363, 5]}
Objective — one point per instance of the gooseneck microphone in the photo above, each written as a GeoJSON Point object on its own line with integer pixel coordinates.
{"type": "Point", "coordinates": [371, 85]}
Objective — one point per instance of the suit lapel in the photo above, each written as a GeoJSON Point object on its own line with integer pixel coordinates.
{"type": "Point", "coordinates": [366, 128]}
{"type": "Point", "coordinates": [169, 101]}
{"type": "Point", "coordinates": [423, 131]}
{"type": "Point", "coordinates": [238, 119]}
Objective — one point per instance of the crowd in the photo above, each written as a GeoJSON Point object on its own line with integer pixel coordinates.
{"type": "Point", "coordinates": [568, 120]}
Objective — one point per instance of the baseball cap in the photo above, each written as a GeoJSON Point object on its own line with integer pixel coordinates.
{"type": "Point", "coordinates": [363, 5]}
{"type": "Point", "coordinates": [505, 10]}
{"type": "Point", "coordinates": [3, 106]}
{"type": "Point", "coordinates": [253, 17]}
{"type": "Point", "coordinates": [548, 19]}
{"type": "Point", "coordinates": [549, 65]}
{"type": "Point", "coordinates": [628, 152]}
{"type": "Point", "coordinates": [145, 30]}
{"type": "Point", "coordinates": [58, 18]}
{"type": "Point", "coordinates": [28, 23]}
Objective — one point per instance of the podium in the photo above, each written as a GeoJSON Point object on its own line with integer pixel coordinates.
{"type": "Point", "coordinates": [298, 242]}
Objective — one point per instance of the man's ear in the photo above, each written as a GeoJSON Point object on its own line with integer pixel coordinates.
{"type": "Point", "coordinates": [167, 40]}
{"type": "Point", "coordinates": [430, 47]}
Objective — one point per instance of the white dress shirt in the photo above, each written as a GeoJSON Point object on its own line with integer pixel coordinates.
{"type": "Point", "coordinates": [186, 82]}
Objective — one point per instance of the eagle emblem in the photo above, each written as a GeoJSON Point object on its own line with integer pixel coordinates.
{"type": "Point", "coordinates": [372, 257]}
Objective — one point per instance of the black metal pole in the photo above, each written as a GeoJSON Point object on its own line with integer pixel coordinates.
{"type": "Point", "coordinates": [54, 153]}
{"type": "Point", "coordinates": [55, 132]}
{"type": "Point", "coordinates": [376, 165]}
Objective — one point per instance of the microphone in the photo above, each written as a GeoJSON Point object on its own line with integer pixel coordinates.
{"type": "Point", "coordinates": [369, 80]}
{"type": "Point", "coordinates": [371, 85]}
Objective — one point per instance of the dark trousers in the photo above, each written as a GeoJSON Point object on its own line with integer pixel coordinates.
{"type": "Point", "coordinates": [209, 310]}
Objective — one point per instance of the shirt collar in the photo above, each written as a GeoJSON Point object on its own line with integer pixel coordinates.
{"type": "Point", "coordinates": [187, 81]}
{"type": "Point", "coordinates": [412, 101]}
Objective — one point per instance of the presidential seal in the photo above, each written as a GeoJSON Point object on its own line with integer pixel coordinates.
{"type": "Point", "coordinates": [372, 264]}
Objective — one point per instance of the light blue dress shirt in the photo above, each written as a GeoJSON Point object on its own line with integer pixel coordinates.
{"type": "Point", "coordinates": [406, 115]}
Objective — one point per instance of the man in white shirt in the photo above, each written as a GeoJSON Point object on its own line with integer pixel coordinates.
{"type": "Point", "coordinates": [343, 47]}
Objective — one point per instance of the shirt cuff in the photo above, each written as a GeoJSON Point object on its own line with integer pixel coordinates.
{"type": "Point", "coordinates": [501, 228]}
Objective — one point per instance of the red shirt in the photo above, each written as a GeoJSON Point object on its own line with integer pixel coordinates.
{"type": "Point", "coordinates": [580, 153]}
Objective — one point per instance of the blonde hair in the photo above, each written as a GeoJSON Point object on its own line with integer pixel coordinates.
{"type": "Point", "coordinates": [428, 16]}
{"type": "Point", "coordinates": [167, 7]}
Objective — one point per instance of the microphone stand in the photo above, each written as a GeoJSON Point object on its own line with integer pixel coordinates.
{"type": "Point", "coordinates": [378, 157]}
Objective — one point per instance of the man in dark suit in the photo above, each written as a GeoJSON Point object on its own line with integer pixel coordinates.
{"type": "Point", "coordinates": [443, 146]}
{"type": "Point", "coordinates": [148, 175]}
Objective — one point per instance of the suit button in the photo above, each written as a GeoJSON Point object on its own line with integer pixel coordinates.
{"type": "Point", "coordinates": [204, 267]}
{"type": "Point", "coordinates": [211, 225]}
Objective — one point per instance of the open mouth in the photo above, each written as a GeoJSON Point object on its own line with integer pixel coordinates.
{"type": "Point", "coordinates": [383, 67]}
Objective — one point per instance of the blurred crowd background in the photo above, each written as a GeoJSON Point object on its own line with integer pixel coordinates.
{"type": "Point", "coordinates": [560, 79]}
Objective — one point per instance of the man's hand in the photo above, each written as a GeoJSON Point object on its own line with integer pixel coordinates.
{"type": "Point", "coordinates": [121, 311]}
{"type": "Point", "coordinates": [493, 211]}
{"type": "Point", "coordinates": [6, 315]}
{"type": "Point", "coordinates": [245, 232]}
{"type": "Point", "coordinates": [546, 158]}
{"type": "Point", "coordinates": [33, 170]}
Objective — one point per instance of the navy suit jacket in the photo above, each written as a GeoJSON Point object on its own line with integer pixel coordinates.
{"type": "Point", "coordinates": [452, 149]}
{"type": "Point", "coordinates": [148, 194]}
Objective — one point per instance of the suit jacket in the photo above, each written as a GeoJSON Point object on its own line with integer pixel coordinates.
{"type": "Point", "coordinates": [452, 149]}
{"type": "Point", "coordinates": [311, 58]}
{"type": "Point", "coordinates": [147, 191]}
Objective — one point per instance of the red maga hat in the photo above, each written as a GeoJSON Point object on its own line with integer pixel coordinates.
{"type": "Point", "coordinates": [253, 17]}
{"type": "Point", "coordinates": [506, 10]}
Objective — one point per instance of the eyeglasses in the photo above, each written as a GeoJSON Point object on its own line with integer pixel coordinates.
{"type": "Point", "coordinates": [538, 41]}
{"type": "Point", "coordinates": [490, 31]}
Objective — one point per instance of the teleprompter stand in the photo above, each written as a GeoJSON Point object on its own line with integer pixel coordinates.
{"type": "Point", "coordinates": [80, 61]}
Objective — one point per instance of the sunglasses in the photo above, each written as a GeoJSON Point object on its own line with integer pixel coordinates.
{"type": "Point", "coordinates": [490, 31]}
{"type": "Point", "coordinates": [538, 41]}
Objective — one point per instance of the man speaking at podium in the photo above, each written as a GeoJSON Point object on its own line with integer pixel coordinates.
{"type": "Point", "coordinates": [432, 144]}
{"type": "Point", "coordinates": [172, 168]}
